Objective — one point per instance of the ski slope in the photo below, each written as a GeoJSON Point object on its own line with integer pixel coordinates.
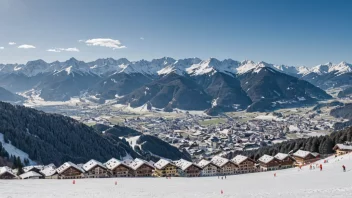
{"type": "Point", "coordinates": [332, 182]}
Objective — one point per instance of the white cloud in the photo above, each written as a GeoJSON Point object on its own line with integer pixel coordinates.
{"type": "Point", "coordinates": [72, 49]}
{"type": "Point", "coordinates": [12, 43]}
{"type": "Point", "coordinates": [81, 41]}
{"type": "Point", "coordinates": [1, 48]}
{"type": "Point", "coordinates": [105, 42]}
{"type": "Point", "coordinates": [142, 38]}
{"type": "Point", "coordinates": [25, 46]}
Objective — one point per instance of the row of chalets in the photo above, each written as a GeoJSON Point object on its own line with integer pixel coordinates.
{"type": "Point", "coordinates": [217, 166]}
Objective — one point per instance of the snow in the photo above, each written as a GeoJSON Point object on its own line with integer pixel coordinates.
{"type": "Point", "coordinates": [135, 164]}
{"type": "Point", "coordinates": [281, 156]}
{"type": "Point", "coordinates": [266, 159]}
{"type": "Point", "coordinates": [332, 182]}
{"type": "Point", "coordinates": [133, 141]}
{"type": "Point", "coordinates": [182, 164]}
{"type": "Point", "coordinates": [239, 159]}
{"type": "Point", "coordinates": [162, 163]}
{"type": "Point", "coordinates": [269, 117]}
{"type": "Point", "coordinates": [48, 170]}
{"type": "Point", "coordinates": [344, 147]}
{"type": "Point", "coordinates": [113, 163]}
{"type": "Point", "coordinates": [203, 163]}
{"type": "Point", "coordinates": [6, 169]}
{"type": "Point", "coordinates": [29, 174]}
{"type": "Point", "coordinates": [66, 166]}
{"type": "Point", "coordinates": [12, 150]}
{"type": "Point", "coordinates": [91, 164]}
{"type": "Point", "coordinates": [301, 153]}
{"type": "Point", "coordinates": [219, 161]}
{"type": "Point", "coordinates": [293, 128]}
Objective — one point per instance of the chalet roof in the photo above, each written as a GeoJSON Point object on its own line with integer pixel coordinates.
{"type": "Point", "coordinates": [135, 164]}
{"type": "Point", "coordinates": [239, 159]}
{"type": "Point", "coordinates": [266, 159]}
{"type": "Point", "coordinates": [49, 170]}
{"type": "Point", "coordinates": [91, 164]}
{"type": "Point", "coordinates": [219, 161]}
{"type": "Point", "coordinates": [301, 153]}
{"type": "Point", "coordinates": [162, 163]}
{"type": "Point", "coordinates": [344, 146]}
{"type": "Point", "coordinates": [281, 156]}
{"type": "Point", "coordinates": [203, 163]}
{"type": "Point", "coordinates": [29, 168]}
{"type": "Point", "coordinates": [30, 174]}
{"type": "Point", "coordinates": [113, 163]}
{"type": "Point", "coordinates": [68, 165]}
{"type": "Point", "coordinates": [183, 164]}
{"type": "Point", "coordinates": [6, 169]}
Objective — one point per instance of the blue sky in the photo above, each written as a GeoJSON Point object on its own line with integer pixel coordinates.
{"type": "Point", "coordinates": [293, 32]}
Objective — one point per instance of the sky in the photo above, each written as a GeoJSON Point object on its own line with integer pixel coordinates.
{"type": "Point", "coordinates": [291, 32]}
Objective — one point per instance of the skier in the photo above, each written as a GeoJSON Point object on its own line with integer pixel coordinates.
{"type": "Point", "coordinates": [321, 167]}
{"type": "Point", "coordinates": [344, 168]}
{"type": "Point", "coordinates": [310, 167]}
{"type": "Point", "coordinates": [225, 176]}
{"type": "Point", "coordinates": [222, 177]}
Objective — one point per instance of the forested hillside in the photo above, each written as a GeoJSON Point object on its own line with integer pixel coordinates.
{"type": "Point", "coordinates": [53, 138]}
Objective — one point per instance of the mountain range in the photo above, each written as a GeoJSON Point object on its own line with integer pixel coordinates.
{"type": "Point", "coordinates": [191, 83]}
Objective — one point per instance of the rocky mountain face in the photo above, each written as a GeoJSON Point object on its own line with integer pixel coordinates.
{"type": "Point", "coordinates": [165, 83]}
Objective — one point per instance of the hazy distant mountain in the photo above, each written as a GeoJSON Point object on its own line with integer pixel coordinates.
{"type": "Point", "coordinates": [8, 96]}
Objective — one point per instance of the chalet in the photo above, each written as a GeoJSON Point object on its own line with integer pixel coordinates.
{"type": "Point", "coordinates": [49, 172]}
{"type": "Point", "coordinates": [69, 170]}
{"type": "Point", "coordinates": [36, 169]}
{"type": "Point", "coordinates": [225, 166]}
{"type": "Point", "coordinates": [305, 157]}
{"type": "Point", "coordinates": [285, 160]}
{"type": "Point", "coordinates": [31, 175]}
{"type": "Point", "coordinates": [141, 168]}
{"type": "Point", "coordinates": [7, 173]}
{"type": "Point", "coordinates": [117, 168]}
{"type": "Point", "coordinates": [95, 169]}
{"type": "Point", "coordinates": [268, 163]}
{"type": "Point", "coordinates": [165, 168]}
{"type": "Point", "coordinates": [187, 169]}
{"type": "Point", "coordinates": [244, 164]}
{"type": "Point", "coordinates": [208, 168]}
{"type": "Point", "coordinates": [342, 149]}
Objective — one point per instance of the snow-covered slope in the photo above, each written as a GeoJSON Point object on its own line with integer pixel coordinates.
{"type": "Point", "coordinates": [12, 150]}
{"type": "Point", "coordinates": [332, 182]}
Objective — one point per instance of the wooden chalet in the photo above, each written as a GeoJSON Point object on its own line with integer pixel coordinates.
{"type": "Point", "coordinates": [285, 160]}
{"type": "Point", "coordinates": [165, 168]}
{"type": "Point", "coordinates": [49, 172]}
{"type": "Point", "coordinates": [36, 169]}
{"type": "Point", "coordinates": [305, 157]}
{"type": "Point", "coordinates": [342, 149]}
{"type": "Point", "coordinates": [268, 163]}
{"type": "Point", "coordinates": [7, 173]}
{"type": "Point", "coordinates": [208, 168]}
{"type": "Point", "coordinates": [244, 164]}
{"type": "Point", "coordinates": [31, 175]}
{"type": "Point", "coordinates": [141, 168]}
{"type": "Point", "coordinates": [117, 168]}
{"type": "Point", "coordinates": [225, 166]}
{"type": "Point", "coordinates": [187, 169]}
{"type": "Point", "coordinates": [95, 169]}
{"type": "Point", "coordinates": [70, 170]}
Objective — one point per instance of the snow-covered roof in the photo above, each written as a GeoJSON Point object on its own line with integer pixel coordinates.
{"type": "Point", "coordinates": [29, 168]}
{"type": "Point", "coordinates": [113, 163]}
{"type": "Point", "coordinates": [29, 175]}
{"type": "Point", "coordinates": [162, 163]}
{"type": "Point", "coordinates": [183, 164]}
{"type": "Point", "coordinates": [301, 153]}
{"type": "Point", "coordinates": [49, 170]}
{"type": "Point", "coordinates": [68, 165]}
{"type": "Point", "coordinates": [91, 164]}
{"type": "Point", "coordinates": [266, 159]}
{"type": "Point", "coordinates": [239, 159]}
{"type": "Point", "coordinates": [344, 146]}
{"type": "Point", "coordinates": [281, 156]}
{"type": "Point", "coordinates": [203, 163]}
{"type": "Point", "coordinates": [6, 169]}
{"type": "Point", "coordinates": [135, 164]}
{"type": "Point", "coordinates": [219, 161]}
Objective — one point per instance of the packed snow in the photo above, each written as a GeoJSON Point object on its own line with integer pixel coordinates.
{"type": "Point", "coordinates": [12, 150]}
{"type": "Point", "coordinates": [332, 182]}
